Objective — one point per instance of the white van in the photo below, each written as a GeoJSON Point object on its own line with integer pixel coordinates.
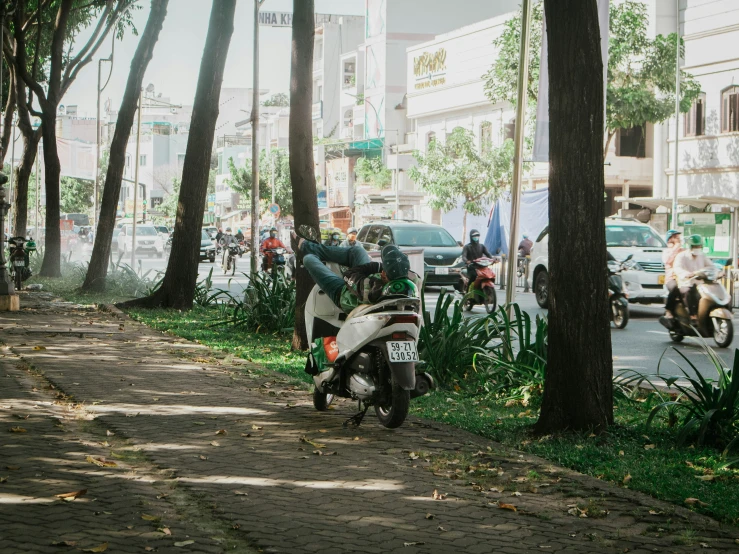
{"type": "Point", "coordinates": [644, 277]}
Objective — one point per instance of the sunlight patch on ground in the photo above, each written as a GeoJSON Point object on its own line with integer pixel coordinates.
{"type": "Point", "coordinates": [367, 484]}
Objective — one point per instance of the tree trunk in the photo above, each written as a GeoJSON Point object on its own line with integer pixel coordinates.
{"type": "Point", "coordinates": [178, 287]}
{"type": "Point", "coordinates": [98, 268]}
{"type": "Point", "coordinates": [8, 119]}
{"type": "Point", "coordinates": [302, 169]}
{"type": "Point", "coordinates": [578, 390]}
{"type": "Point", "coordinates": [51, 266]}
{"type": "Point", "coordinates": [20, 185]}
{"type": "Point", "coordinates": [464, 226]}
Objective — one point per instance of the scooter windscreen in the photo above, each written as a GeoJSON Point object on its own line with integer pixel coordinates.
{"type": "Point", "coordinates": [404, 288]}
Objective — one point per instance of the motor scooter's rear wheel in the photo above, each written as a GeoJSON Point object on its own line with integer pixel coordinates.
{"type": "Point", "coordinates": [619, 313]}
{"type": "Point", "coordinates": [322, 400]}
{"type": "Point", "coordinates": [723, 331]}
{"type": "Point", "coordinates": [393, 415]}
{"type": "Point", "coordinates": [491, 299]}
{"type": "Point", "coordinates": [18, 279]}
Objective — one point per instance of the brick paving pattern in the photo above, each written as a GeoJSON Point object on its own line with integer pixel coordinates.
{"type": "Point", "coordinates": [225, 457]}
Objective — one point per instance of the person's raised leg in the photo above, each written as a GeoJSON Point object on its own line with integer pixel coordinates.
{"type": "Point", "coordinates": [327, 280]}
{"type": "Point", "coordinates": [348, 257]}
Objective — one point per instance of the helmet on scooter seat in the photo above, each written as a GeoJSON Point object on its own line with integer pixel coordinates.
{"type": "Point", "coordinates": [694, 241]}
{"type": "Point", "coordinates": [671, 233]}
{"type": "Point", "coordinates": [394, 263]}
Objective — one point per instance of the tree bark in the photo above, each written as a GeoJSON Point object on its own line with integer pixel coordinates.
{"type": "Point", "coordinates": [20, 184]}
{"type": "Point", "coordinates": [302, 168]}
{"type": "Point", "coordinates": [578, 390]}
{"type": "Point", "coordinates": [98, 268]}
{"type": "Point", "coordinates": [8, 119]}
{"type": "Point", "coordinates": [178, 287]}
{"type": "Point", "coordinates": [51, 266]}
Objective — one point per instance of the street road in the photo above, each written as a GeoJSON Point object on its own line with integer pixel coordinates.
{"type": "Point", "coordinates": [638, 347]}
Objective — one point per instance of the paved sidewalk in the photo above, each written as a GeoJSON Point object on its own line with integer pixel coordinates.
{"type": "Point", "coordinates": [233, 460]}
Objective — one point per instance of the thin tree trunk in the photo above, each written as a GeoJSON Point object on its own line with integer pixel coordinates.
{"type": "Point", "coordinates": [464, 227]}
{"type": "Point", "coordinates": [51, 266]}
{"type": "Point", "coordinates": [178, 287]}
{"type": "Point", "coordinates": [578, 390]}
{"type": "Point", "coordinates": [302, 172]}
{"type": "Point", "coordinates": [8, 119]}
{"type": "Point", "coordinates": [98, 268]}
{"type": "Point", "coordinates": [20, 184]}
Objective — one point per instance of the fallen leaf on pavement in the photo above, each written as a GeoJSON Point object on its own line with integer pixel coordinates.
{"type": "Point", "coordinates": [246, 435]}
{"type": "Point", "coordinates": [413, 543]}
{"type": "Point", "coordinates": [429, 516]}
{"type": "Point", "coordinates": [147, 517]}
{"type": "Point", "coordinates": [309, 441]}
{"type": "Point", "coordinates": [165, 530]}
{"type": "Point", "coordinates": [39, 348]}
{"type": "Point", "coordinates": [149, 549]}
{"type": "Point", "coordinates": [203, 457]}
{"type": "Point", "coordinates": [516, 493]}
{"type": "Point", "coordinates": [12, 468]}
{"type": "Point", "coordinates": [627, 479]}
{"type": "Point", "coordinates": [110, 433]}
{"type": "Point", "coordinates": [704, 545]}
{"type": "Point", "coordinates": [69, 496]}
{"type": "Point", "coordinates": [695, 501]}
{"type": "Point", "coordinates": [257, 427]}
{"type": "Point", "coordinates": [184, 543]}
{"type": "Point", "coordinates": [437, 496]}
{"type": "Point", "coordinates": [441, 528]}
{"type": "Point", "coordinates": [17, 430]}
{"type": "Point", "coordinates": [431, 440]}
{"type": "Point", "coordinates": [101, 548]}
{"type": "Point", "coordinates": [198, 423]}
{"type": "Point", "coordinates": [101, 462]}
{"type": "Point", "coordinates": [3, 479]}
{"type": "Point", "coordinates": [655, 513]}
{"type": "Point", "coordinates": [215, 443]}
{"type": "Point", "coordinates": [64, 543]}
{"type": "Point", "coordinates": [241, 493]}
{"type": "Point", "coordinates": [221, 432]}
{"type": "Point", "coordinates": [504, 506]}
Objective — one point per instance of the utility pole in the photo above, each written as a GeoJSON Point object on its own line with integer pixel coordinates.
{"type": "Point", "coordinates": [38, 193]}
{"type": "Point", "coordinates": [98, 130]}
{"type": "Point", "coordinates": [673, 223]}
{"type": "Point", "coordinates": [136, 186]}
{"type": "Point", "coordinates": [12, 160]}
{"type": "Point", "coordinates": [523, 78]}
{"type": "Point", "coordinates": [255, 145]}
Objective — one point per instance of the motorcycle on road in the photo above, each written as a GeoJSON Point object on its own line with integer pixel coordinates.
{"type": "Point", "coordinates": [229, 258]}
{"type": "Point", "coordinates": [482, 291]}
{"type": "Point", "coordinates": [617, 296]}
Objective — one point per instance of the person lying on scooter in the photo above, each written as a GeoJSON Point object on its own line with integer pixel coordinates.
{"type": "Point", "coordinates": [687, 264]}
{"type": "Point", "coordinates": [674, 247]}
{"type": "Point", "coordinates": [471, 252]}
{"type": "Point", "coordinates": [363, 282]}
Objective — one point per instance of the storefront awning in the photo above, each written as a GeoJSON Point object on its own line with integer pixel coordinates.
{"type": "Point", "coordinates": [700, 202]}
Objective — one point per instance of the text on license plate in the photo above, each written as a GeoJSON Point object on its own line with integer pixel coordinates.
{"type": "Point", "coordinates": [402, 351]}
{"type": "Point", "coordinates": [661, 280]}
{"type": "Point", "coordinates": [441, 271]}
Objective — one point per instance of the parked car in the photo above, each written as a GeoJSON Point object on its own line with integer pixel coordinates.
{"type": "Point", "coordinates": [163, 231]}
{"type": "Point", "coordinates": [211, 230]}
{"type": "Point", "coordinates": [207, 247]}
{"type": "Point", "coordinates": [114, 244]}
{"type": "Point", "coordinates": [442, 255]}
{"type": "Point", "coordinates": [148, 240]}
{"type": "Point", "coordinates": [643, 275]}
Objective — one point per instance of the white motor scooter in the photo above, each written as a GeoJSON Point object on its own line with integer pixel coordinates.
{"type": "Point", "coordinates": [375, 352]}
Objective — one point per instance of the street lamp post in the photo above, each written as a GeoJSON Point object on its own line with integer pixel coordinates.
{"type": "Point", "coordinates": [255, 144]}
{"type": "Point", "coordinates": [98, 129]}
{"type": "Point", "coordinates": [136, 185]}
{"type": "Point", "coordinates": [677, 113]}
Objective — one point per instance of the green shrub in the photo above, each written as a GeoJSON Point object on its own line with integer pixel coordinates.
{"type": "Point", "coordinates": [268, 305]}
{"type": "Point", "coordinates": [448, 343]}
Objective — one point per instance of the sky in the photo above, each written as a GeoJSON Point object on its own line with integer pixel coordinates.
{"type": "Point", "coordinates": [174, 68]}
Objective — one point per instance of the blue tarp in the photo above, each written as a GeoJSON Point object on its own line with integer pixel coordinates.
{"type": "Point", "coordinates": [533, 218]}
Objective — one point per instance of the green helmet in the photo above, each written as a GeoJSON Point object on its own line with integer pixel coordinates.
{"type": "Point", "coordinates": [695, 240]}
{"type": "Point", "coordinates": [31, 246]}
{"type": "Point", "coordinates": [401, 287]}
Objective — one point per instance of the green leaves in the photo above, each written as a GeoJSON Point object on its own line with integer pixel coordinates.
{"type": "Point", "coordinates": [268, 305]}
{"type": "Point", "coordinates": [278, 162]}
{"type": "Point", "coordinates": [76, 194]}
{"type": "Point", "coordinates": [372, 172]}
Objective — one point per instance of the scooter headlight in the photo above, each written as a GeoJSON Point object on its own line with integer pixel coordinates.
{"type": "Point", "coordinates": [631, 265]}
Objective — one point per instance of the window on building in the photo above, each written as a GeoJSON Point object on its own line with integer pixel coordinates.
{"type": "Point", "coordinates": [142, 160]}
{"type": "Point", "coordinates": [220, 163]}
{"type": "Point", "coordinates": [730, 109]}
{"type": "Point", "coordinates": [180, 160]}
{"type": "Point", "coordinates": [430, 137]}
{"type": "Point", "coordinates": [509, 129]}
{"type": "Point", "coordinates": [486, 137]}
{"type": "Point", "coordinates": [694, 122]}
{"type": "Point", "coordinates": [631, 142]}
{"type": "Point", "coordinates": [128, 160]}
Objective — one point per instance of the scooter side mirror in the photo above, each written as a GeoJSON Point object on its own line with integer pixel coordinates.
{"type": "Point", "coordinates": [629, 257]}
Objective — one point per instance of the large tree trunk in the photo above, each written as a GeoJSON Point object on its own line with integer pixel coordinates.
{"type": "Point", "coordinates": [98, 268]}
{"type": "Point", "coordinates": [51, 266]}
{"type": "Point", "coordinates": [302, 169]}
{"type": "Point", "coordinates": [578, 391]}
{"type": "Point", "coordinates": [20, 185]}
{"type": "Point", "coordinates": [178, 287]}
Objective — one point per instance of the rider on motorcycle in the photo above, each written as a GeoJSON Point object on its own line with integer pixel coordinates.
{"type": "Point", "coordinates": [687, 264]}
{"type": "Point", "coordinates": [351, 238]}
{"type": "Point", "coordinates": [674, 247]}
{"type": "Point", "coordinates": [226, 240]}
{"type": "Point", "coordinates": [472, 251]}
{"type": "Point", "coordinates": [269, 244]}
{"type": "Point", "coordinates": [363, 282]}
{"type": "Point", "coordinates": [333, 240]}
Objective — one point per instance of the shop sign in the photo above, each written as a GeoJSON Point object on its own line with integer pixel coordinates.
{"type": "Point", "coordinates": [430, 69]}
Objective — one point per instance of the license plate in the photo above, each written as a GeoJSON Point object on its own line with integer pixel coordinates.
{"type": "Point", "coordinates": [441, 271]}
{"type": "Point", "coordinates": [402, 351]}
{"type": "Point", "coordinates": [661, 280]}
{"type": "Point", "coordinates": [19, 263]}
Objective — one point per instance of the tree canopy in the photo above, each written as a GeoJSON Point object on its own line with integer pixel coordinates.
{"type": "Point", "coordinates": [641, 70]}
{"type": "Point", "coordinates": [76, 195]}
{"type": "Point", "coordinates": [240, 180]}
{"type": "Point", "coordinates": [280, 99]}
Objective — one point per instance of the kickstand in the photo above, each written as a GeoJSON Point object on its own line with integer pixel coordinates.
{"type": "Point", "coordinates": [357, 418]}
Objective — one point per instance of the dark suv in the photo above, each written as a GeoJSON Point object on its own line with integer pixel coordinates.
{"type": "Point", "coordinates": [442, 254]}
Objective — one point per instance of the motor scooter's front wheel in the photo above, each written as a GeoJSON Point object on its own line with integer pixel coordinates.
{"type": "Point", "coordinates": [723, 331]}
{"type": "Point", "coordinates": [18, 277]}
{"type": "Point", "coordinates": [491, 299]}
{"type": "Point", "coordinates": [322, 400]}
{"type": "Point", "coordinates": [619, 313]}
{"type": "Point", "coordinates": [393, 415]}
